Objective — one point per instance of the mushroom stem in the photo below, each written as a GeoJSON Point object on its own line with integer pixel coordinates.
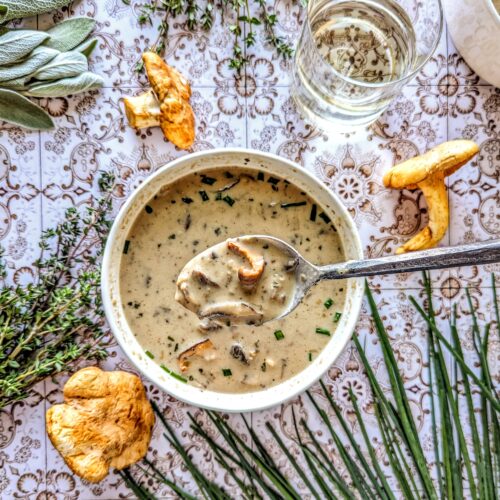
{"type": "Point", "coordinates": [143, 110]}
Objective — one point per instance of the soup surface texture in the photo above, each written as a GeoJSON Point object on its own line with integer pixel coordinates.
{"type": "Point", "coordinates": [195, 213]}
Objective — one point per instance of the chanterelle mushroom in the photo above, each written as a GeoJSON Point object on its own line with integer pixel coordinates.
{"type": "Point", "coordinates": [248, 276]}
{"type": "Point", "coordinates": [105, 421]}
{"type": "Point", "coordinates": [428, 172]}
{"type": "Point", "coordinates": [167, 105]}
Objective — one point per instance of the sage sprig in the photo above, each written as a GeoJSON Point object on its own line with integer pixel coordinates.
{"type": "Point", "coordinates": [14, 9]}
{"type": "Point", "coordinates": [19, 110]}
{"type": "Point", "coordinates": [14, 45]}
{"type": "Point", "coordinates": [45, 64]}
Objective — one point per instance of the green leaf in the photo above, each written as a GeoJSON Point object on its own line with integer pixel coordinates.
{"type": "Point", "coordinates": [70, 33]}
{"type": "Point", "coordinates": [16, 84]}
{"type": "Point", "coordinates": [87, 47]}
{"type": "Point", "coordinates": [14, 45]}
{"type": "Point", "coordinates": [14, 9]}
{"type": "Point", "coordinates": [14, 108]}
{"type": "Point", "coordinates": [40, 56]}
{"type": "Point", "coordinates": [64, 65]}
{"type": "Point", "coordinates": [66, 86]}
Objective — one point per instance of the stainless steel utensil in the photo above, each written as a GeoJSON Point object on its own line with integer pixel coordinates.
{"type": "Point", "coordinates": [307, 274]}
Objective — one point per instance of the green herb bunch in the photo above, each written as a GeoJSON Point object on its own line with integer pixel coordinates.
{"type": "Point", "coordinates": [200, 15]}
{"type": "Point", "coordinates": [56, 320]}
{"type": "Point", "coordinates": [460, 469]}
{"type": "Point", "coordinates": [52, 63]}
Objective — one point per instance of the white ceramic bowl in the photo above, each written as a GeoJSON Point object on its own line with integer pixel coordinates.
{"type": "Point", "coordinates": [111, 272]}
{"type": "Point", "coordinates": [474, 26]}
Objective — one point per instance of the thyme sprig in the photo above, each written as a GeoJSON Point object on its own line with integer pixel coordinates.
{"type": "Point", "coordinates": [200, 15]}
{"type": "Point", "coordinates": [460, 469]}
{"type": "Point", "coordinates": [56, 320]}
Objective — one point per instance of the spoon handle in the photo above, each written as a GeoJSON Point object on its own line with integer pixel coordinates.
{"type": "Point", "coordinates": [487, 252]}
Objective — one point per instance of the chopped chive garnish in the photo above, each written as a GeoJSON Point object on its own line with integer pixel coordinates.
{"type": "Point", "coordinates": [273, 180]}
{"type": "Point", "coordinates": [149, 354]}
{"type": "Point", "coordinates": [310, 356]}
{"type": "Point", "coordinates": [336, 317]}
{"type": "Point", "coordinates": [187, 200]}
{"type": "Point", "coordinates": [226, 372]}
{"type": "Point", "coordinates": [173, 374]}
{"type": "Point", "coordinates": [218, 196]}
{"type": "Point", "coordinates": [149, 209]}
{"type": "Point", "coordinates": [279, 335]}
{"type": "Point", "coordinates": [228, 200]}
{"type": "Point", "coordinates": [314, 211]}
{"type": "Point", "coordinates": [323, 331]}
{"type": "Point", "coordinates": [260, 176]}
{"type": "Point", "coordinates": [325, 217]}
{"type": "Point", "coordinates": [126, 246]}
{"type": "Point", "coordinates": [208, 180]}
{"type": "Point", "coordinates": [328, 303]}
{"type": "Point", "coordinates": [170, 338]}
{"type": "Point", "coordinates": [296, 204]}
{"type": "Point", "coordinates": [172, 236]}
{"type": "Point", "coordinates": [178, 377]}
{"type": "Point", "coordinates": [204, 195]}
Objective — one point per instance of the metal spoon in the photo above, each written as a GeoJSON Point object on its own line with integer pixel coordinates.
{"type": "Point", "coordinates": [307, 274]}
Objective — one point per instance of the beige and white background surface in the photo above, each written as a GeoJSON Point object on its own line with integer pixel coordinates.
{"type": "Point", "coordinates": [43, 173]}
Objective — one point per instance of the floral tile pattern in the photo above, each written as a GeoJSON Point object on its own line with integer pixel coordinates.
{"type": "Point", "coordinates": [41, 174]}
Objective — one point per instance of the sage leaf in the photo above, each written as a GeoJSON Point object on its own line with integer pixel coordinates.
{"type": "Point", "coordinates": [86, 48]}
{"type": "Point", "coordinates": [66, 86]}
{"type": "Point", "coordinates": [14, 9]}
{"type": "Point", "coordinates": [14, 45]}
{"type": "Point", "coordinates": [64, 65]}
{"type": "Point", "coordinates": [70, 33]}
{"type": "Point", "coordinates": [17, 84]}
{"type": "Point", "coordinates": [40, 56]}
{"type": "Point", "coordinates": [17, 109]}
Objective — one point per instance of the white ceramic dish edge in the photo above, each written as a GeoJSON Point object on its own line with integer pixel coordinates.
{"type": "Point", "coordinates": [111, 268]}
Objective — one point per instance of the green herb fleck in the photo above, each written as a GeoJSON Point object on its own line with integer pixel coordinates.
{"type": "Point", "coordinates": [174, 374]}
{"type": "Point", "coordinates": [328, 303]}
{"type": "Point", "coordinates": [170, 338]}
{"type": "Point", "coordinates": [226, 372]}
{"type": "Point", "coordinates": [187, 200]}
{"type": "Point", "coordinates": [273, 181]}
{"type": "Point", "coordinates": [204, 195]}
{"type": "Point", "coordinates": [218, 196]}
{"type": "Point", "coordinates": [263, 367]}
{"type": "Point", "coordinates": [296, 204]}
{"type": "Point", "coordinates": [314, 211]}
{"type": "Point", "coordinates": [149, 354]}
{"type": "Point", "coordinates": [228, 200]}
{"type": "Point", "coordinates": [325, 217]}
{"type": "Point", "coordinates": [279, 335]}
{"type": "Point", "coordinates": [336, 317]}
{"type": "Point", "coordinates": [310, 356]}
{"type": "Point", "coordinates": [323, 331]}
{"type": "Point", "coordinates": [126, 247]}
{"type": "Point", "coordinates": [208, 180]}
{"type": "Point", "coordinates": [149, 209]}
{"type": "Point", "coordinates": [260, 176]}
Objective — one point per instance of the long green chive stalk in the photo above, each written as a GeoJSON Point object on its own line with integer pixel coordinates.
{"type": "Point", "coordinates": [461, 469]}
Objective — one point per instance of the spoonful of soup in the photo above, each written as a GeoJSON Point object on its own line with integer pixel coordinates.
{"type": "Point", "coordinates": [256, 278]}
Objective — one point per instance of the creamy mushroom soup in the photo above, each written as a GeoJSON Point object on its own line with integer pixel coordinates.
{"type": "Point", "coordinates": [195, 213]}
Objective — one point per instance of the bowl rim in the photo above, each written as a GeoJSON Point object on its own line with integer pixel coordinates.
{"type": "Point", "coordinates": [212, 400]}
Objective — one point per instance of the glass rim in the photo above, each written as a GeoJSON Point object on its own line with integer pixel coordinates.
{"type": "Point", "coordinates": [402, 79]}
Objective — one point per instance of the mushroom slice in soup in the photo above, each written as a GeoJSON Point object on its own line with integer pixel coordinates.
{"type": "Point", "coordinates": [198, 349]}
{"type": "Point", "coordinates": [248, 276]}
{"type": "Point", "coordinates": [232, 310]}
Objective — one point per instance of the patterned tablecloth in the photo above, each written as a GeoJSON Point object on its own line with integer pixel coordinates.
{"type": "Point", "coordinates": [43, 173]}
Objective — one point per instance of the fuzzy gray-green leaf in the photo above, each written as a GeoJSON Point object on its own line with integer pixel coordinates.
{"type": "Point", "coordinates": [64, 65]}
{"type": "Point", "coordinates": [13, 9]}
{"type": "Point", "coordinates": [17, 109]}
{"type": "Point", "coordinates": [87, 47]}
{"type": "Point", "coordinates": [16, 44]}
{"type": "Point", "coordinates": [40, 56]}
{"type": "Point", "coordinates": [16, 84]}
{"type": "Point", "coordinates": [70, 33]}
{"type": "Point", "coordinates": [60, 88]}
